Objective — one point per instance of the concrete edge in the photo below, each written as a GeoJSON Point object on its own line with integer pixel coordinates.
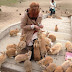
{"type": "Point", "coordinates": [6, 30]}
{"type": "Point", "coordinates": [71, 27]}
{"type": "Point", "coordinates": [71, 23]}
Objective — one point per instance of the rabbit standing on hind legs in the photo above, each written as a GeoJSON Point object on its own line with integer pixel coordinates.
{"type": "Point", "coordinates": [2, 58]}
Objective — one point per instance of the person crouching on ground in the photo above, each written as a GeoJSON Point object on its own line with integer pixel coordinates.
{"type": "Point", "coordinates": [52, 7]}
{"type": "Point", "coordinates": [31, 23]}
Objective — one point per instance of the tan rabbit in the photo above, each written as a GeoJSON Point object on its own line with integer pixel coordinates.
{"type": "Point", "coordinates": [45, 34]}
{"type": "Point", "coordinates": [42, 44]}
{"type": "Point", "coordinates": [43, 47]}
{"type": "Point", "coordinates": [68, 46]}
{"type": "Point", "coordinates": [36, 50]}
{"type": "Point", "coordinates": [69, 69]}
{"type": "Point", "coordinates": [47, 48]}
{"type": "Point", "coordinates": [66, 64]}
{"type": "Point", "coordinates": [48, 42]}
{"type": "Point", "coordinates": [58, 17]}
{"type": "Point", "coordinates": [11, 46]}
{"type": "Point", "coordinates": [45, 61]}
{"type": "Point", "coordinates": [21, 45]}
{"type": "Point", "coordinates": [14, 32]}
{"type": "Point", "coordinates": [23, 57]}
{"type": "Point", "coordinates": [59, 69]}
{"type": "Point", "coordinates": [11, 52]}
{"type": "Point", "coordinates": [56, 48]}
{"type": "Point", "coordinates": [56, 28]}
{"type": "Point", "coordinates": [3, 58]}
{"type": "Point", "coordinates": [50, 68]}
{"type": "Point", "coordinates": [23, 37]}
{"type": "Point", "coordinates": [28, 66]}
{"type": "Point", "coordinates": [52, 37]}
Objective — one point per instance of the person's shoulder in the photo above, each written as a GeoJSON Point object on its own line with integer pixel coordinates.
{"type": "Point", "coordinates": [24, 15]}
{"type": "Point", "coordinates": [55, 2]}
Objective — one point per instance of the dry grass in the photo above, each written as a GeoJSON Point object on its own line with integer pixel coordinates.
{"type": "Point", "coordinates": [9, 2]}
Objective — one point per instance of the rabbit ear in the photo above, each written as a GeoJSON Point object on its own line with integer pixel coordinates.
{"type": "Point", "coordinates": [2, 52]}
{"type": "Point", "coordinates": [23, 35]}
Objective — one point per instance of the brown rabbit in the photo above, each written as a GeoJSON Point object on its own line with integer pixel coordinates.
{"type": "Point", "coordinates": [23, 57]}
{"type": "Point", "coordinates": [42, 44]}
{"type": "Point", "coordinates": [56, 48]}
{"type": "Point", "coordinates": [36, 50]}
{"type": "Point", "coordinates": [28, 66]}
{"type": "Point", "coordinates": [2, 58]}
{"type": "Point", "coordinates": [45, 61]}
{"type": "Point", "coordinates": [11, 46]}
{"type": "Point", "coordinates": [11, 52]}
{"type": "Point", "coordinates": [42, 47]}
{"type": "Point", "coordinates": [69, 69]}
{"type": "Point", "coordinates": [47, 48]}
{"type": "Point", "coordinates": [14, 32]}
{"type": "Point", "coordinates": [23, 37]}
{"type": "Point", "coordinates": [21, 45]}
{"type": "Point", "coordinates": [66, 64]}
{"type": "Point", "coordinates": [48, 42]}
{"type": "Point", "coordinates": [51, 67]}
{"type": "Point", "coordinates": [59, 69]}
{"type": "Point", "coordinates": [68, 46]}
{"type": "Point", "coordinates": [56, 28]}
{"type": "Point", "coordinates": [52, 37]}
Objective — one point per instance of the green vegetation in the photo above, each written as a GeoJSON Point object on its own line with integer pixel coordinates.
{"type": "Point", "coordinates": [9, 2]}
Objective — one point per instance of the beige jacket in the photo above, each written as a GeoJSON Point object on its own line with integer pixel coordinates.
{"type": "Point", "coordinates": [26, 26]}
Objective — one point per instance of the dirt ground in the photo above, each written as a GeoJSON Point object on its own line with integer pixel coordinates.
{"type": "Point", "coordinates": [12, 14]}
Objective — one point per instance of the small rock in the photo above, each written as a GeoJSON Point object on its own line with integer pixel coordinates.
{"type": "Point", "coordinates": [20, 1]}
{"type": "Point", "coordinates": [19, 13]}
{"type": "Point", "coordinates": [0, 10]}
{"type": "Point", "coordinates": [43, 11]}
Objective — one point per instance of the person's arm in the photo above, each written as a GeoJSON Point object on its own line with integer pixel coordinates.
{"type": "Point", "coordinates": [39, 24]}
{"type": "Point", "coordinates": [27, 27]}
{"type": "Point", "coordinates": [55, 4]}
{"type": "Point", "coordinates": [24, 22]}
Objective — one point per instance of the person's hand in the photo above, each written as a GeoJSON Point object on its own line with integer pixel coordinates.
{"type": "Point", "coordinates": [37, 27]}
{"type": "Point", "coordinates": [41, 26]}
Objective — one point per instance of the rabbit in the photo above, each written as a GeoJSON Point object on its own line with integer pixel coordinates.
{"type": "Point", "coordinates": [36, 46]}
{"type": "Point", "coordinates": [45, 34]}
{"type": "Point", "coordinates": [69, 69]}
{"type": "Point", "coordinates": [21, 45]}
{"type": "Point", "coordinates": [50, 68]}
{"type": "Point", "coordinates": [48, 42]}
{"type": "Point", "coordinates": [42, 35]}
{"type": "Point", "coordinates": [42, 44]}
{"type": "Point", "coordinates": [45, 61]}
{"type": "Point", "coordinates": [42, 47]}
{"type": "Point", "coordinates": [11, 46]}
{"type": "Point", "coordinates": [47, 48]}
{"type": "Point", "coordinates": [59, 69]}
{"type": "Point", "coordinates": [23, 37]}
{"type": "Point", "coordinates": [52, 37]}
{"type": "Point", "coordinates": [56, 28]}
{"type": "Point", "coordinates": [11, 52]}
{"type": "Point", "coordinates": [28, 66]}
{"type": "Point", "coordinates": [66, 64]}
{"type": "Point", "coordinates": [23, 57]}
{"type": "Point", "coordinates": [56, 48]}
{"type": "Point", "coordinates": [68, 46]}
{"type": "Point", "coordinates": [14, 32]}
{"type": "Point", "coordinates": [3, 58]}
